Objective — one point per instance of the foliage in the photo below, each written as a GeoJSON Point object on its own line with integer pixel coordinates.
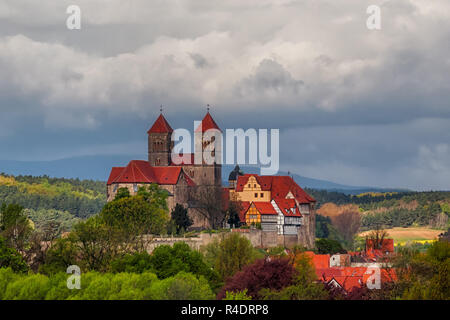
{"type": "Point", "coordinates": [140, 214]}
{"type": "Point", "coordinates": [9, 257]}
{"type": "Point", "coordinates": [347, 223]}
{"type": "Point", "coordinates": [81, 198]}
{"type": "Point", "coordinates": [303, 285]}
{"type": "Point", "coordinates": [137, 262]}
{"type": "Point", "coordinates": [239, 295]}
{"type": "Point", "coordinates": [14, 226]}
{"type": "Point", "coordinates": [273, 274]}
{"type": "Point", "coordinates": [423, 276]}
{"type": "Point", "coordinates": [230, 255]}
{"type": "Point", "coordinates": [122, 193]}
{"type": "Point", "coordinates": [180, 218]}
{"type": "Point", "coordinates": [103, 286]}
{"type": "Point", "coordinates": [329, 246]}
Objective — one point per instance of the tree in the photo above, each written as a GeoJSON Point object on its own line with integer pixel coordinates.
{"type": "Point", "coordinates": [62, 253]}
{"type": "Point", "coordinates": [167, 261]}
{"type": "Point", "coordinates": [135, 215]}
{"type": "Point", "coordinates": [137, 262]}
{"type": "Point", "coordinates": [269, 273]}
{"type": "Point", "coordinates": [181, 219]}
{"type": "Point", "coordinates": [303, 287]}
{"type": "Point", "coordinates": [14, 226]}
{"type": "Point", "coordinates": [10, 258]}
{"type": "Point", "coordinates": [210, 204]}
{"type": "Point", "coordinates": [348, 224]}
{"type": "Point", "coordinates": [232, 213]}
{"type": "Point", "coordinates": [376, 237]}
{"type": "Point", "coordinates": [229, 255]}
{"type": "Point", "coordinates": [329, 246]}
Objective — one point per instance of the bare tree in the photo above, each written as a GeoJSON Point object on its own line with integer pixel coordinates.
{"type": "Point", "coordinates": [210, 204]}
{"type": "Point", "coordinates": [348, 224]}
{"type": "Point", "coordinates": [376, 237]}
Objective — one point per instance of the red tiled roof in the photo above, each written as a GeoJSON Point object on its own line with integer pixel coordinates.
{"type": "Point", "coordinates": [245, 205]}
{"type": "Point", "coordinates": [387, 245]}
{"type": "Point", "coordinates": [320, 261]}
{"type": "Point", "coordinates": [160, 126]}
{"type": "Point", "coordinates": [286, 206]}
{"type": "Point", "coordinates": [140, 171]}
{"type": "Point", "coordinates": [264, 207]}
{"type": "Point", "coordinates": [115, 172]}
{"type": "Point", "coordinates": [207, 124]}
{"type": "Point", "coordinates": [137, 171]}
{"type": "Point", "coordinates": [280, 186]}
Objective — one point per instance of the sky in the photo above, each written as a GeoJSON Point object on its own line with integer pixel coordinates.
{"type": "Point", "coordinates": [353, 105]}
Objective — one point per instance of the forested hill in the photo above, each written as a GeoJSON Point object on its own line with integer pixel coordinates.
{"type": "Point", "coordinates": [392, 209]}
{"type": "Point", "coordinates": [56, 199]}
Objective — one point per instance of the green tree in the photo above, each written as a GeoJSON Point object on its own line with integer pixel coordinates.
{"type": "Point", "coordinates": [14, 225]}
{"type": "Point", "coordinates": [10, 258]}
{"type": "Point", "coordinates": [181, 218]}
{"type": "Point", "coordinates": [230, 255]}
{"type": "Point", "coordinates": [329, 246]}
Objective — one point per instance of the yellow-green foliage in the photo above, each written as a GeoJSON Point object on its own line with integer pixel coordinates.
{"type": "Point", "coordinates": [376, 194]}
{"type": "Point", "coordinates": [47, 189]}
{"type": "Point", "coordinates": [104, 286]}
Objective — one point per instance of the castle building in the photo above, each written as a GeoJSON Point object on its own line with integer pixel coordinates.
{"type": "Point", "coordinates": [276, 203]}
{"type": "Point", "coordinates": [178, 179]}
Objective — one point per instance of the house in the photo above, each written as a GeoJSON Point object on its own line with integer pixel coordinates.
{"type": "Point", "coordinates": [277, 203]}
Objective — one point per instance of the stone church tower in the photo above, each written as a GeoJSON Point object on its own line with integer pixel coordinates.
{"type": "Point", "coordinates": [159, 143]}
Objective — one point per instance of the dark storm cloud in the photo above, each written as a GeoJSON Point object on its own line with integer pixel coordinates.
{"type": "Point", "coordinates": [354, 106]}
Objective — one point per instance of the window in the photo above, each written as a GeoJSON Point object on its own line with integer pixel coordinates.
{"type": "Point", "coordinates": [262, 195]}
{"type": "Point", "coordinates": [254, 186]}
{"type": "Point", "coordinates": [135, 187]}
{"type": "Point", "coordinates": [256, 195]}
{"type": "Point", "coordinates": [115, 187]}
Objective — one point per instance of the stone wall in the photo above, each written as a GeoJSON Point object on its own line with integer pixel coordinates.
{"type": "Point", "coordinates": [258, 239]}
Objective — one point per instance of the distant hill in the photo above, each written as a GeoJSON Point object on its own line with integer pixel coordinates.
{"type": "Point", "coordinates": [98, 168]}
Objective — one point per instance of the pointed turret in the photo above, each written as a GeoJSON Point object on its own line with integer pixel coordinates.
{"type": "Point", "coordinates": [160, 126]}
{"type": "Point", "coordinates": [208, 123]}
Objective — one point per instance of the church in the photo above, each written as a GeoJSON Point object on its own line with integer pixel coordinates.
{"type": "Point", "coordinates": [276, 204]}
{"type": "Point", "coordinates": [178, 179]}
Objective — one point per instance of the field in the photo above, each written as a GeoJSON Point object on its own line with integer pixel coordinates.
{"type": "Point", "coordinates": [403, 235]}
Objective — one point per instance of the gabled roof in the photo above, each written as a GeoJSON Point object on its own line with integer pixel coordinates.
{"type": "Point", "coordinates": [264, 207]}
{"type": "Point", "coordinates": [288, 207]}
{"type": "Point", "coordinates": [279, 186]}
{"type": "Point", "coordinates": [244, 208]}
{"type": "Point", "coordinates": [115, 172]}
{"type": "Point", "coordinates": [160, 126]}
{"type": "Point", "coordinates": [207, 124]}
{"type": "Point", "coordinates": [140, 171]}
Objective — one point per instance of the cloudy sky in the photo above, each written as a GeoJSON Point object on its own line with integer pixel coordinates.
{"type": "Point", "coordinates": [355, 106]}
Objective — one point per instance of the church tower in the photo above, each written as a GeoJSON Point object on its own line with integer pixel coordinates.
{"type": "Point", "coordinates": [160, 143]}
{"type": "Point", "coordinates": [210, 174]}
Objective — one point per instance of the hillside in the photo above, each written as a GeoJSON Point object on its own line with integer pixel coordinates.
{"type": "Point", "coordinates": [46, 199]}
{"type": "Point", "coordinates": [389, 210]}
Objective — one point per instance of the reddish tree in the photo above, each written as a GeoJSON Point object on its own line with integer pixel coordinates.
{"type": "Point", "coordinates": [273, 273]}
